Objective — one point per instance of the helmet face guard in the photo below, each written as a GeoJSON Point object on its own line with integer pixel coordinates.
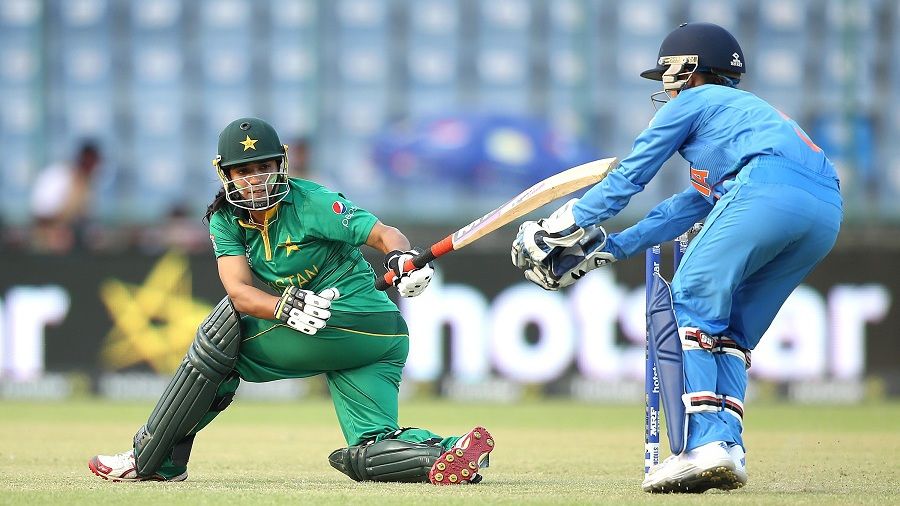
{"type": "Point", "coordinates": [679, 70]}
{"type": "Point", "coordinates": [249, 142]}
{"type": "Point", "coordinates": [258, 191]}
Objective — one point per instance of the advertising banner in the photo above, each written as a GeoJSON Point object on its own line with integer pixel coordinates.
{"type": "Point", "coordinates": [478, 323]}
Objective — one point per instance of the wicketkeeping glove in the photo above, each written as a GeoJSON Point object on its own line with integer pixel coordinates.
{"type": "Point", "coordinates": [566, 266]}
{"type": "Point", "coordinates": [537, 240]}
{"type": "Point", "coordinates": [409, 283]}
{"type": "Point", "coordinates": [304, 310]}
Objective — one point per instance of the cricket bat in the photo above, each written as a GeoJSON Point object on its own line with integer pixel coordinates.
{"type": "Point", "coordinates": [543, 192]}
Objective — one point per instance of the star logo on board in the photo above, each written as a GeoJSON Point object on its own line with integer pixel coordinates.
{"type": "Point", "coordinates": [289, 246]}
{"type": "Point", "coordinates": [249, 143]}
{"type": "Point", "coordinates": [154, 322]}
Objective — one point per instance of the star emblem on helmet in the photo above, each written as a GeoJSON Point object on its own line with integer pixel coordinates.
{"type": "Point", "coordinates": [249, 143]}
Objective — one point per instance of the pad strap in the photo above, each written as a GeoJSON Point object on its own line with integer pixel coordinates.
{"type": "Point", "coordinates": [693, 338]}
{"type": "Point", "coordinates": [702, 402]}
{"type": "Point", "coordinates": [733, 406]}
{"type": "Point", "coordinates": [710, 402]}
{"type": "Point", "coordinates": [727, 346]}
{"type": "Point", "coordinates": [396, 435]}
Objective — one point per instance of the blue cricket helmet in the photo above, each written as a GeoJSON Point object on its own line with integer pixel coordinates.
{"type": "Point", "coordinates": [712, 47]}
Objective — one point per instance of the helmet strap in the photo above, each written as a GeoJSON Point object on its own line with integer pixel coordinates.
{"type": "Point", "coordinates": [284, 160]}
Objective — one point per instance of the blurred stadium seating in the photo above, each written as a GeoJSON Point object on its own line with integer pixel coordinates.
{"type": "Point", "coordinates": [154, 82]}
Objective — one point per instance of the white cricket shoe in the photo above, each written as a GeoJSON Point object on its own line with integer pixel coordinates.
{"type": "Point", "coordinates": [121, 467]}
{"type": "Point", "coordinates": [708, 466]}
{"type": "Point", "coordinates": [740, 462]}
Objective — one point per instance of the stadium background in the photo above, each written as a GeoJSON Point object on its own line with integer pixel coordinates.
{"type": "Point", "coordinates": [428, 113]}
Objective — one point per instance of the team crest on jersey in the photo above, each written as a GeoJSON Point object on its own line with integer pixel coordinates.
{"type": "Point", "coordinates": [338, 207]}
{"type": "Point", "coordinates": [288, 245]}
{"type": "Point", "coordinates": [699, 181]}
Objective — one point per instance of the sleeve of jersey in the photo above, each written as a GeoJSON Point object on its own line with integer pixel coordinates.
{"type": "Point", "coordinates": [226, 240]}
{"type": "Point", "coordinates": [341, 220]}
{"type": "Point", "coordinates": [669, 219]}
{"type": "Point", "coordinates": [665, 135]}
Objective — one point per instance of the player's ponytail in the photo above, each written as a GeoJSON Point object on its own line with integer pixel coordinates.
{"type": "Point", "coordinates": [217, 203]}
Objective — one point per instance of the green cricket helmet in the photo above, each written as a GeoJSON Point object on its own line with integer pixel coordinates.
{"type": "Point", "coordinates": [247, 141]}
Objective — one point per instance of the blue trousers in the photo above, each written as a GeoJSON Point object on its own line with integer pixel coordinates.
{"type": "Point", "coordinates": [777, 221]}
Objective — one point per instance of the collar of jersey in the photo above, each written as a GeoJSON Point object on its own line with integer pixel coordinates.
{"type": "Point", "coordinates": [273, 211]}
{"type": "Point", "coordinates": [289, 198]}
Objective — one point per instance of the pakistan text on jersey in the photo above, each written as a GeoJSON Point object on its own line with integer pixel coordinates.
{"type": "Point", "coordinates": [300, 279]}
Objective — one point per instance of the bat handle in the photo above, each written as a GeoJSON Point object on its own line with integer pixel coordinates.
{"type": "Point", "coordinates": [416, 262]}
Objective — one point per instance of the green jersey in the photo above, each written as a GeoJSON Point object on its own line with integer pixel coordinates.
{"type": "Point", "coordinates": [311, 240]}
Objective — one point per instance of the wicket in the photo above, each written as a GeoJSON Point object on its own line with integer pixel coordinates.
{"type": "Point", "coordinates": [651, 380]}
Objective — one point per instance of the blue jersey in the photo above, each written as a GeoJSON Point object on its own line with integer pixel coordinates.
{"type": "Point", "coordinates": [771, 207]}
{"type": "Point", "coordinates": [718, 130]}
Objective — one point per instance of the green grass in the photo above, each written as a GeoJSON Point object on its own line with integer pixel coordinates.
{"type": "Point", "coordinates": [547, 453]}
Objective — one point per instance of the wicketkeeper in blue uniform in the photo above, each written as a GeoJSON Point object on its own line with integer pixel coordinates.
{"type": "Point", "coordinates": [772, 208]}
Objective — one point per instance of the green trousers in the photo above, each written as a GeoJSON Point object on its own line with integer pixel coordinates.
{"type": "Point", "coordinates": [361, 355]}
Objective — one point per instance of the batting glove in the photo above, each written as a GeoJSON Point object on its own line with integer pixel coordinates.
{"type": "Point", "coordinates": [304, 310]}
{"type": "Point", "coordinates": [412, 282]}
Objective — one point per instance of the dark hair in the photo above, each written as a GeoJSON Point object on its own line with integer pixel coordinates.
{"type": "Point", "coordinates": [219, 201]}
{"type": "Point", "coordinates": [87, 157]}
{"type": "Point", "coordinates": [88, 147]}
{"type": "Point", "coordinates": [720, 77]}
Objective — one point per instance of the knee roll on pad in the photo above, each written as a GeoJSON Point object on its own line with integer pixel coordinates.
{"type": "Point", "coordinates": [192, 391]}
{"type": "Point", "coordinates": [387, 460]}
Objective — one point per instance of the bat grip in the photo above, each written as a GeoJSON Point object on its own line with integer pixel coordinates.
{"type": "Point", "coordinates": [416, 262]}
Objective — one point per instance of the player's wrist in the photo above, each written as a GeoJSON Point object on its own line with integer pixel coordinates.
{"type": "Point", "coordinates": [391, 257]}
{"type": "Point", "coordinates": [612, 247]}
{"type": "Point", "coordinates": [396, 260]}
{"type": "Point", "coordinates": [276, 310]}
